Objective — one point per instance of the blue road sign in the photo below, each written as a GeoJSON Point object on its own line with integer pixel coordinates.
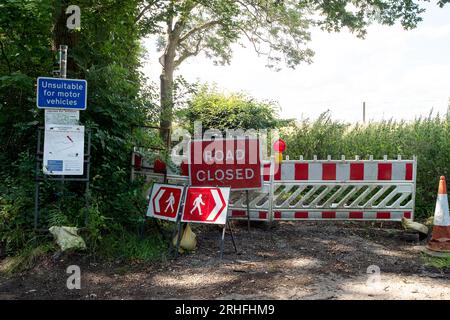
{"type": "Point", "coordinates": [59, 93]}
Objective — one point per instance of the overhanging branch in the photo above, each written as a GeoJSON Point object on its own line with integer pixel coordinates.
{"type": "Point", "coordinates": [186, 53]}
{"type": "Point", "coordinates": [144, 10]}
{"type": "Point", "coordinates": [200, 28]}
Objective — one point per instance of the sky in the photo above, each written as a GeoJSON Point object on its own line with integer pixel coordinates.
{"type": "Point", "coordinates": [399, 74]}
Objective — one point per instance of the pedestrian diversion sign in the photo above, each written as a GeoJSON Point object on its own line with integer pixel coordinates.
{"type": "Point", "coordinates": [61, 93]}
{"type": "Point", "coordinates": [165, 201]}
{"type": "Point", "coordinates": [206, 205]}
{"type": "Point", "coordinates": [201, 204]}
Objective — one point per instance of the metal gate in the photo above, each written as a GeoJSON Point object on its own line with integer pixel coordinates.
{"type": "Point", "coordinates": [323, 190]}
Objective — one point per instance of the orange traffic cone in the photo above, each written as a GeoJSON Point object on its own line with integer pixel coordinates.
{"type": "Point", "coordinates": [440, 236]}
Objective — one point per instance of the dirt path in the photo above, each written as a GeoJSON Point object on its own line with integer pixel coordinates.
{"type": "Point", "coordinates": [310, 260]}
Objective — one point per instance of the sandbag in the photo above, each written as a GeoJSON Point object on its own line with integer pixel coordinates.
{"type": "Point", "coordinates": [415, 226]}
{"type": "Point", "coordinates": [67, 238]}
{"type": "Point", "coordinates": [188, 240]}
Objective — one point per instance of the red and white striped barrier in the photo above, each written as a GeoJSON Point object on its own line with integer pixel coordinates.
{"type": "Point", "coordinates": [322, 215]}
{"type": "Point", "coordinates": [376, 190]}
{"type": "Point", "coordinates": [255, 215]}
{"type": "Point", "coordinates": [341, 189]}
{"type": "Point", "coordinates": [342, 171]}
{"type": "Point", "coordinates": [341, 215]}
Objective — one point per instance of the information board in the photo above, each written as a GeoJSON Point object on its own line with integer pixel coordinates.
{"type": "Point", "coordinates": [63, 150]}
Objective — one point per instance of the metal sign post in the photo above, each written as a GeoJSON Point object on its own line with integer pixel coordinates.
{"type": "Point", "coordinates": [40, 177]}
{"type": "Point", "coordinates": [248, 210]}
{"type": "Point", "coordinates": [62, 74]}
{"type": "Point", "coordinates": [179, 225]}
{"type": "Point", "coordinates": [63, 61]}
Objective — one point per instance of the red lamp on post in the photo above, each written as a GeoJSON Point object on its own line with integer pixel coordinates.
{"type": "Point", "coordinates": [279, 147]}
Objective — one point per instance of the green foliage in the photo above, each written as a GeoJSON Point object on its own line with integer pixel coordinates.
{"type": "Point", "coordinates": [16, 203]}
{"type": "Point", "coordinates": [25, 31]}
{"type": "Point", "coordinates": [427, 138]}
{"type": "Point", "coordinates": [216, 110]}
{"type": "Point", "coordinates": [25, 28]}
{"type": "Point", "coordinates": [105, 52]}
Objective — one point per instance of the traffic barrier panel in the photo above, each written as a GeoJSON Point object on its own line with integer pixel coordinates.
{"type": "Point", "coordinates": [376, 190]}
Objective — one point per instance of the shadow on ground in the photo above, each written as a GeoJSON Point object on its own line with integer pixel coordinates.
{"type": "Point", "coordinates": [301, 260]}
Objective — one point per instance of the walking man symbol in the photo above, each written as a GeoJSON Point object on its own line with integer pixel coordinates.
{"type": "Point", "coordinates": [170, 203]}
{"type": "Point", "coordinates": [198, 202]}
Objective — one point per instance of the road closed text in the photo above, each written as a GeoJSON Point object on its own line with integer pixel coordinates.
{"type": "Point", "coordinates": [234, 163]}
{"type": "Point", "coordinates": [209, 175]}
{"type": "Point", "coordinates": [219, 156]}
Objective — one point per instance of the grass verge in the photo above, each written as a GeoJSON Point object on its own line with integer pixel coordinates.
{"type": "Point", "coordinates": [439, 263]}
{"type": "Point", "coordinates": [132, 247]}
{"type": "Point", "coordinates": [24, 260]}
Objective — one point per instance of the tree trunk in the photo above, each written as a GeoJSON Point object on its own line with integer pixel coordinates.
{"type": "Point", "coordinates": [165, 123]}
{"type": "Point", "coordinates": [166, 79]}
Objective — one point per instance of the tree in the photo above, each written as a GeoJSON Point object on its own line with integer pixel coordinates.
{"type": "Point", "coordinates": [234, 111]}
{"type": "Point", "coordinates": [278, 29]}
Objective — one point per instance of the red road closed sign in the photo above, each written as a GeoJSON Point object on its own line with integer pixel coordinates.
{"type": "Point", "coordinates": [234, 163]}
{"type": "Point", "coordinates": [165, 200]}
{"type": "Point", "coordinates": [206, 205]}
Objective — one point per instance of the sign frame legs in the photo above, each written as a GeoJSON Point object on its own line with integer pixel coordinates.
{"type": "Point", "coordinates": [179, 224]}
{"type": "Point", "coordinates": [248, 210]}
{"type": "Point", "coordinates": [179, 235]}
{"type": "Point", "coordinates": [222, 239]}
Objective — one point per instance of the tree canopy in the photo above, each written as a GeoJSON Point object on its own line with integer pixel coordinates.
{"type": "Point", "coordinates": [277, 29]}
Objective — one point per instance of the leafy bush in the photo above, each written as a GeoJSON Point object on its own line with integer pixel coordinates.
{"type": "Point", "coordinates": [16, 204]}
{"type": "Point", "coordinates": [219, 111]}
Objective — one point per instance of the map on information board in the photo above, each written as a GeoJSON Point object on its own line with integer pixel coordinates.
{"type": "Point", "coordinates": [63, 150]}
